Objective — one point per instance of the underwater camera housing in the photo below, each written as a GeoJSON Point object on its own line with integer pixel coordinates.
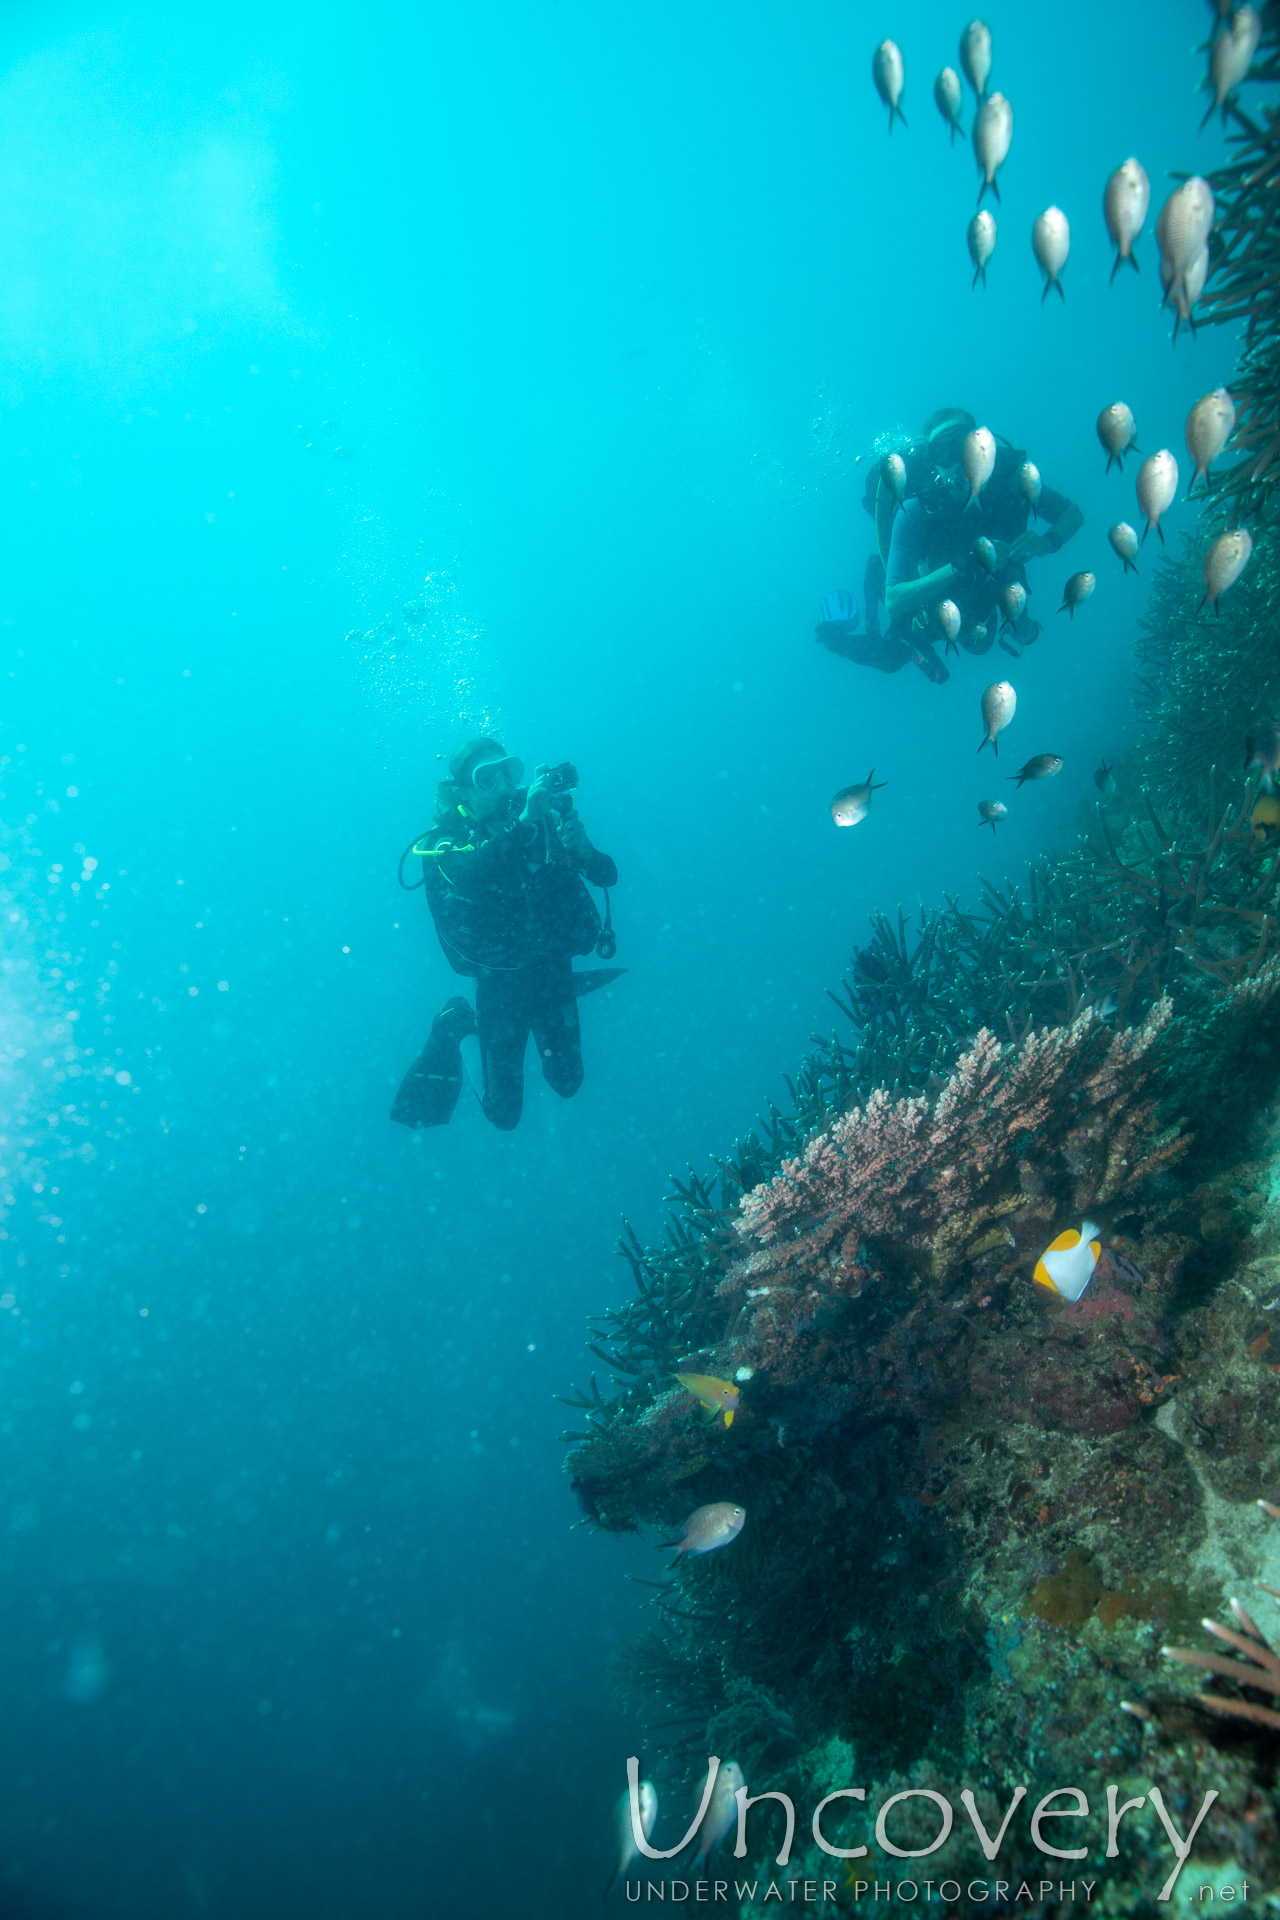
{"type": "Point", "coordinates": [562, 779]}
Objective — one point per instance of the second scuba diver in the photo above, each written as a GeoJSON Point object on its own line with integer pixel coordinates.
{"type": "Point", "coordinates": [925, 554]}
{"type": "Point", "coordinates": [504, 869]}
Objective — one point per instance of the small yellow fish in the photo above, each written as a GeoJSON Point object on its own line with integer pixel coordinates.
{"type": "Point", "coordinates": [717, 1396]}
{"type": "Point", "coordinates": [1067, 1263]}
{"type": "Point", "coordinates": [1265, 818]}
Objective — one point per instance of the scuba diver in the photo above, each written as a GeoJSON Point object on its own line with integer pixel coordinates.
{"type": "Point", "coordinates": [504, 869]}
{"type": "Point", "coordinates": [925, 554]}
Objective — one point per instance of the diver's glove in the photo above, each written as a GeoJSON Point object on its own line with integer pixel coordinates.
{"type": "Point", "coordinates": [1032, 546]}
{"type": "Point", "coordinates": [573, 838]}
{"type": "Point", "coordinates": [539, 802]}
{"type": "Point", "coordinates": [969, 571]}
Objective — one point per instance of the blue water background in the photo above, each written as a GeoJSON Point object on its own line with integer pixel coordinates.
{"type": "Point", "coordinates": [599, 307]}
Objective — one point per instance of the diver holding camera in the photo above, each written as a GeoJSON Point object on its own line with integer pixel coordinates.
{"type": "Point", "coordinates": [504, 869]}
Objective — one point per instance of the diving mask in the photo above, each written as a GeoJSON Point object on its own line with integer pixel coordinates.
{"type": "Point", "coordinates": [950, 480]}
{"type": "Point", "coordinates": [498, 776]}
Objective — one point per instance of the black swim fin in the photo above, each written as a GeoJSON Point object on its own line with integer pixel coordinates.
{"type": "Point", "coordinates": [428, 1094]}
{"type": "Point", "coordinates": [594, 978]}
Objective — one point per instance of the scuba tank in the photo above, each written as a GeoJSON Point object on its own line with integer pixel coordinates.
{"type": "Point", "coordinates": [606, 943]}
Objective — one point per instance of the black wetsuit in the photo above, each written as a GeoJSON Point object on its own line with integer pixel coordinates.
{"type": "Point", "coordinates": [930, 531]}
{"type": "Point", "coordinates": [511, 910]}
{"type": "Point", "coordinates": [933, 531]}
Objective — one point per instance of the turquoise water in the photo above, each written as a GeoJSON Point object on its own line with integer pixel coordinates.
{"type": "Point", "coordinates": [563, 327]}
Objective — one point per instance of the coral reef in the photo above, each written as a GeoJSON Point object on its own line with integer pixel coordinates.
{"type": "Point", "coordinates": [977, 1513]}
{"type": "Point", "coordinates": [965, 1497]}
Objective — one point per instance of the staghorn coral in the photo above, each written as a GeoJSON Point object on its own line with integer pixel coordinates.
{"type": "Point", "coordinates": [1200, 680]}
{"type": "Point", "coordinates": [1243, 283]}
{"type": "Point", "coordinates": [1259, 1669]}
{"type": "Point", "coordinates": [1141, 904]}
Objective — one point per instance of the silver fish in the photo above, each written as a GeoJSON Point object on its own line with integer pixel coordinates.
{"type": "Point", "coordinates": [999, 704]}
{"type": "Point", "coordinates": [982, 243]}
{"type": "Point", "coordinates": [984, 552]}
{"type": "Point", "coordinates": [850, 806]}
{"type": "Point", "coordinates": [991, 811]}
{"type": "Point", "coordinates": [1076, 592]}
{"type": "Point", "coordinates": [888, 73]}
{"type": "Point", "coordinates": [1186, 291]}
{"type": "Point", "coordinates": [624, 1828]}
{"type": "Point", "coordinates": [1124, 542]}
{"type": "Point", "coordinates": [1157, 488]}
{"type": "Point", "coordinates": [720, 1814]}
{"type": "Point", "coordinates": [946, 91]}
{"type": "Point", "coordinates": [1041, 766]}
{"type": "Point", "coordinates": [947, 615]}
{"type": "Point", "coordinates": [893, 471]}
{"type": "Point", "coordinates": [1124, 208]}
{"type": "Point", "coordinates": [1051, 243]}
{"type": "Point", "coordinates": [975, 56]}
{"type": "Point", "coordinates": [1225, 561]}
{"type": "Point", "coordinates": [1230, 58]}
{"type": "Point", "coordinates": [1185, 223]}
{"type": "Point", "coordinates": [1182, 234]}
{"type": "Point", "coordinates": [978, 458]}
{"type": "Point", "coordinates": [992, 132]}
{"type": "Point", "coordinates": [1013, 602]}
{"type": "Point", "coordinates": [1104, 779]}
{"type": "Point", "coordinates": [1117, 431]}
{"type": "Point", "coordinates": [1209, 426]}
{"type": "Point", "coordinates": [1262, 750]}
{"type": "Point", "coordinates": [1030, 483]}
{"type": "Point", "coordinates": [710, 1527]}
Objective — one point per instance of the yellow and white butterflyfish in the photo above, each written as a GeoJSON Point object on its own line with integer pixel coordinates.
{"type": "Point", "coordinates": [1066, 1265]}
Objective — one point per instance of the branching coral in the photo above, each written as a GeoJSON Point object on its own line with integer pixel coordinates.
{"type": "Point", "coordinates": [1201, 681]}
{"type": "Point", "coordinates": [1259, 1669]}
{"type": "Point", "coordinates": [921, 1173]}
{"type": "Point", "coordinates": [1142, 903]}
{"type": "Point", "coordinates": [1244, 283]}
